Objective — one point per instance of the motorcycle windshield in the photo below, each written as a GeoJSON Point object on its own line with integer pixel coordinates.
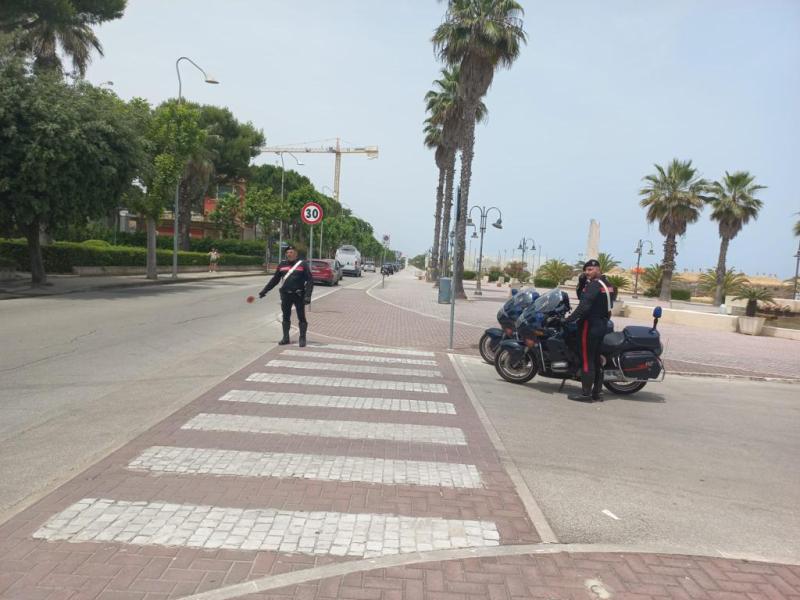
{"type": "Point", "coordinates": [547, 302]}
{"type": "Point", "coordinates": [524, 298]}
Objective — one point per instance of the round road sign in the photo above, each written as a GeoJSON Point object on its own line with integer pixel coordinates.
{"type": "Point", "coordinates": [311, 213]}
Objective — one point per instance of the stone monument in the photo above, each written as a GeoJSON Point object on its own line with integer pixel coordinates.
{"type": "Point", "coordinates": [593, 243]}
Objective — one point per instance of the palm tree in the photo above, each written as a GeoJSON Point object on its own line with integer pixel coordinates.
{"type": "Point", "coordinates": [797, 227]}
{"type": "Point", "coordinates": [479, 36]}
{"type": "Point", "coordinates": [607, 262]}
{"type": "Point", "coordinates": [673, 197]}
{"type": "Point", "coordinates": [556, 270]}
{"type": "Point", "coordinates": [433, 140]}
{"type": "Point", "coordinates": [733, 204]}
{"type": "Point", "coordinates": [43, 28]}
{"type": "Point", "coordinates": [732, 283]}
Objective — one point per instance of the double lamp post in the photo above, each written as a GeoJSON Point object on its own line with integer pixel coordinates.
{"type": "Point", "coordinates": [484, 212]}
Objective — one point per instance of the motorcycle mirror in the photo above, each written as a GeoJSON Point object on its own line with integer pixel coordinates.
{"type": "Point", "coordinates": [657, 312]}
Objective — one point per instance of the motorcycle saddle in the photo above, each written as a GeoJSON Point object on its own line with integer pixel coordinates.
{"type": "Point", "coordinates": [613, 341]}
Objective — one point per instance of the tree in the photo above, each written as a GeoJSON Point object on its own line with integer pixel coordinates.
{"type": "Point", "coordinates": [754, 295]}
{"type": "Point", "coordinates": [555, 270]}
{"type": "Point", "coordinates": [516, 269]}
{"type": "Point", "coordinates": [651, 278]}
{"type": "Point", "coordinates": [674, 198]}
{"type": "Point", "coordinates": [228, 215]}
{"type": "Point", "coordinates": [607, 262]}
{"type": "Point", "coordinates": [46, 26]}
{"type": "Point", "coordinates": [733, 204]}
{"type": "Point", "coordinates": [479, 36]}
{"type": "Point", "coordinates": [261, 207]}
{"type": "Point", "coordinates": [67, 152]}
{"type": "Point", "coordinates": [797, 227]}
{"type": "Point", "coordinates": [732, 283]}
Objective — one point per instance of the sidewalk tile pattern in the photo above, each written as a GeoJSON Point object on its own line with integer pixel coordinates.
{"type": "Point", "coordinates": [347, 382]}
{"type": "Point", "coordinates": [321, 366]}
{"type": "Point", "coordinates": [362, 535]}
{"type": "Point", "coordinates": [211, 461]}
{"type": "Point", "coordinates": [379, 350]}
{"type": "Point", "coordinates": [358, 430]}
{"type": "Point", "coordinates": [328, 401]}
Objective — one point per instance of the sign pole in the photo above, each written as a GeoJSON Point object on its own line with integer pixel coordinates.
{"type": "Point", "coordinates": [311, 246]}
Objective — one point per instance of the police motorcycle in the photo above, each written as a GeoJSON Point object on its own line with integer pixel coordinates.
{"type": "Point", "coordinates": [546, 346]}
{"type": "Point", "coordinates": [507, 317]}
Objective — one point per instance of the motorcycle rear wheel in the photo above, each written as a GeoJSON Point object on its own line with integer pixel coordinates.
{"type": "Point", "coordinates": [485, 348]}
{"type": "Point", "coordinates": [522, 372]}
{"type": "Point", "coordinates": [628, 387]}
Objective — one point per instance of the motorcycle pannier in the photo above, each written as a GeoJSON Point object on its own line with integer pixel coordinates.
{"type": "Point", "coordinates": [643, 337]}
{"type": "Point", "coordinates": [640, 365]}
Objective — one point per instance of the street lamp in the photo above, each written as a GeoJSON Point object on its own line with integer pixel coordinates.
{"type": "Point", "coordinates": [523, 245]}
{"type": "Point", "coordinates": [208, 79]}
{"type": "Point", "coordinates": [497, 224]}
{"type": "Point", "coordinates": [283, 176]}
{"type": "Point", "coordinates": [796, 272]}
{"type": "Point", "coordinates": [638, 253]}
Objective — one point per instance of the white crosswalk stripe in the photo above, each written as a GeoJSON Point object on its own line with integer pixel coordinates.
{"type": "Point", "coordinates": [321, 366]}
{"type": "Point", "coordinates": [393, 360]}
{"type": "Point", "coordinates": [329, 401]}
{"type": "Point", "coordinates": [360, 430]}
{"type": "Point", "coordinates": [211, 527]}
{"type": "Point", "coordinates": [349, 382]}
{"type": "Point", "coordinates": [377, 350]}
{"type": "Point", "coordinates": [212, 461]}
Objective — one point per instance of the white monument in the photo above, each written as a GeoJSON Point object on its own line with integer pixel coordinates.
{"type": "Point", "coordinates": [593, 243]}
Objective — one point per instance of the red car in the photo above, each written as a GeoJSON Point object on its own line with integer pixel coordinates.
{"type": "Point", "coordinates": [325, 271]}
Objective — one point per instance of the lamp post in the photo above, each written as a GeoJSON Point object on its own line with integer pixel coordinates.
{"type": "Point", "coordinates": [523, 245]}
{"type": "Point", "coordinates": [796, 272]}
{"type": "Point", "coordinates": [638, 253]}
{"type": "Point", "coordinates": [208, 79]}
{"type": "Point", "coordinates": [497, 224]}
{"type": "Point", "coordinates": [283, 177]}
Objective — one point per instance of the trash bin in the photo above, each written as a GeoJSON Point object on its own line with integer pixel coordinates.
{"type": "Point", "coordinates": [445, 290]}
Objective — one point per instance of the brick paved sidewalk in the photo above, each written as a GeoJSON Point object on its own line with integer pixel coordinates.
{"type": "Point", "coordinates": [687, 350]}
{"type": "Point", "coordinates": [323, 456]}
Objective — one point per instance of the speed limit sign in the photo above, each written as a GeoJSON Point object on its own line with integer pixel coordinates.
{"type": "Point", "coordinates": [311, 214]}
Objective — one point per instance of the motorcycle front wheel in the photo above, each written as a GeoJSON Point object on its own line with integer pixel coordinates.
{"type": "Point", "coordinates": [623, 388]}
{"type": "Point", "coordinates": [520, 372]}
{"type": "Point", "coordinates": [485, 347]}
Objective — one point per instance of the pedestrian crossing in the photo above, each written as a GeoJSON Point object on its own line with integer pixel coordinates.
{"type": "Point", "coordinates": [330, 401]}
{"type": "Point", "coordinates": [379, 372]}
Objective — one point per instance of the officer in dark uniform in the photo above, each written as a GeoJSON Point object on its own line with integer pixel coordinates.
{"type": "Point", "coordinates": [592, 316]}
{"type": "Point", "coordinates": [295, 291]}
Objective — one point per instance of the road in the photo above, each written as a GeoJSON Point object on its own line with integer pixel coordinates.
{"type": "Point", "coordinates": [84, 373]}
{"type": "Point", "coordinates": [704, 464]}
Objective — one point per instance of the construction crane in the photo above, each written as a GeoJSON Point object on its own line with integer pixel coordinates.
{"type": "Point", "coordinates": [338, 150]}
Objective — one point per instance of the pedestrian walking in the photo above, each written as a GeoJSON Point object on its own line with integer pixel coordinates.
{"type": "Point", "coordinates": [213, 259]}
{"type": "Point", "coordinates": [295, 291]}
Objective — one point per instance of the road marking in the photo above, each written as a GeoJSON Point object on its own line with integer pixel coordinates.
{"type": "Point", "coordinates": [377, 349]}
{"type": "Point", "coordinates": [321, 366]}
{"type": "Point", "coordinates": [212, 461]}
{"type": "Point", "coordinates": [360, 430]}
{"type": "Point", "coordinates": [347, 382]}
{"type": "Point", "coordinates": [314, 533]}
{"type": "Point", "coordinates": [328, 401]}
{"type": "Point", "coordinates": [608, 513]}
{"type": "Point", "coordinates": [353, 357]}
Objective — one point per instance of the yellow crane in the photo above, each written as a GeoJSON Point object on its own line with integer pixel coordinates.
{"type": "Point", "coordinates": [338, 150]}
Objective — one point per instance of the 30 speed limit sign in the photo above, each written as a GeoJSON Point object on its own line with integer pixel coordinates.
{"type": "Point", "coordinates": [311, 213]}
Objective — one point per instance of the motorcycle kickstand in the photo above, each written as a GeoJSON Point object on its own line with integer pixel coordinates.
{"type": "Point", "coordinates": [561, 387]}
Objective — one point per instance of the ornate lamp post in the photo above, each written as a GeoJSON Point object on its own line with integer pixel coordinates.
{"type": "Point", "coordinates": [497, 224]}
{"type": "Point", "coordinates": [523, 245]}
{"type": "Point", "coordinates": [638, 253]}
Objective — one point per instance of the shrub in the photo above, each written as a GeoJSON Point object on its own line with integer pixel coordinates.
{"type": "Point", "coordinates": [62, 256]}
{"type": "Point", "coordinates": [620, 282]}
{"type": "Point", "coordinates": [754, 295]}
{"type": "Point", "coordinates": [225, 246]}
{"type": "Point", "coordinates": [469, 275]}
{"type": "Point", "coordinates": [96, 243]}
{"type": "Point", "coordinates": [681, 294]}
{"type": "Point", "coordinates": [494, 275]}
{"type": "Point", "coordinates": [544, 282]}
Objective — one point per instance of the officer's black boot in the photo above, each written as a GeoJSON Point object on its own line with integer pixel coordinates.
{"type": "Point", "coordinates": [597, 387]}
{"type": "Point", "coordinates": [303, 329]}
{"type": "Point", "coordinates": [586, 390]}
{"type": "Point", "coordinates": [285, 340]}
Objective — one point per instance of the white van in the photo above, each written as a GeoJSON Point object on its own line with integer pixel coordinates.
{"type": "Point", "coordinates": [350, 258]}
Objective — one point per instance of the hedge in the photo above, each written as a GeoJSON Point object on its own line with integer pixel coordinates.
{"type": "Point", "coordinates": [469, 275]}
{"type": "Point", "coordinates": [60, 257]}
{"type": "Point", "coordinates": [544, 282]}
{"type": "Point", "coordinates": [225, 246]}
{"type": "Point", "coordinates": [495, 275]}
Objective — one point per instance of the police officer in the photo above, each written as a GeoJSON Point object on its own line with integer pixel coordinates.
{"type": "Point", "coordinates": [592, 316]}
{"type": "Point", "coordinates": [295, 291]}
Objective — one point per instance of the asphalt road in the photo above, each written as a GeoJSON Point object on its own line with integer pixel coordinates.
{"type": "Point", "coordinates": [709, 465]}
{"type": "Point", "coordinates": [84, 373]}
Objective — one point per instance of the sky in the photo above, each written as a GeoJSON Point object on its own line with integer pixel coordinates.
{"type": "Point", "coordinates": [601, 92]}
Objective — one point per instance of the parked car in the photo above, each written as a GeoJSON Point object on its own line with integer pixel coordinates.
{"type": "Point", "coordinates": [369, 266]}
{"type": "Point", "coordinates": [350, 258]}
{"type": "Point", "coordinates": [326, 271]}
